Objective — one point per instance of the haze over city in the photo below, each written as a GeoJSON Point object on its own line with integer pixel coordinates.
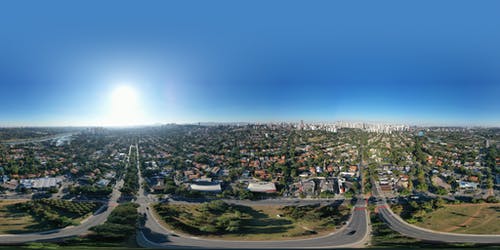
{"type": "Point", "coordinates": [131, 125]}
{"type": "Point", "coordinates": [126, 63]}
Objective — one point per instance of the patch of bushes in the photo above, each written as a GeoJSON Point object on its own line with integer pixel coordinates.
{"type": "Point", "coordinates": [334, 214]}
{"type": "Point", "coordinates": [90, 190]}
{"type": "Point", "coordinates": [56, 213]}
{"type": "Point", "coordinates": [215, 217]}
{"type": "Point", "coordinates": [121, 224]}
{"type": "Point", "coordinates": [415, 212]}
{"type": "Point", "coordinates": [382, 235]}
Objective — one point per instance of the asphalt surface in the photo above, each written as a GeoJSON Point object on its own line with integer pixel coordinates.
{"type": "Point", "coordinates": [97, 218]}
{"type": "Point", "coordinates": [282, 202]}
{"type": "Point", "coordinates": [154, 235]}
{"type": "Point", "coordinates": [398, 224]}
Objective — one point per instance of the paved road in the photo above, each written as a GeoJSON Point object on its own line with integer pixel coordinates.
{"type": "Point", "coordinates": [98, 218]}
{"type": "Point", "coordinates": [283, 202]}
{"type": "Point", "coordinates": [398, 224]}
{"type": "Point", "coordinates": [154, 235]}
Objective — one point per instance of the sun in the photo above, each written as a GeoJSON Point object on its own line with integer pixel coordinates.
{"type": "Point", "coordinates": [124, 107]}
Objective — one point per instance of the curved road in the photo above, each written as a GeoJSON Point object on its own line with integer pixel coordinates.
{"type": "Point", "coordinates": [154, 235]}
{"type": "Point", "coordinates": [99, 217]}
{"type": "Point", "coordinates": [398, 224]}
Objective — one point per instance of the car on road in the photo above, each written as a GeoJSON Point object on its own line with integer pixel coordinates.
{"type": "Point", "coordinates": [351, 232]}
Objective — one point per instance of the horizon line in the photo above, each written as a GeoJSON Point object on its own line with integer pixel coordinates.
{"type": "Point", "coordinates": [428, 124]}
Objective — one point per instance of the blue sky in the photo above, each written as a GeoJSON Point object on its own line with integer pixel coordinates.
{"type": "Point", "coordinates": [422, 62]}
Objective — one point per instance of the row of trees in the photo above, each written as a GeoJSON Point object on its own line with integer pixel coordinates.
{"type": "Point", "coordinates": [45, 215]}
{"type": "Point", "coordinates": [88, 190]}
{"type": "Point", "coordinates": [56, 213]}
{"type": "Point", "coordinates": [77, 209]}
{"type": "Point", "coordinates": [131, 179]}
{"type": "Point", "coordinates": [490, 158]}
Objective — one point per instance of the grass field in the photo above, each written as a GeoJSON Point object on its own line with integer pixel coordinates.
{"type": "Point", "coordinates": [464, 218]}
{"type": "Point", "coordinates": [263, 222]}
{"type": "Point", "coordinates": [13, 221]}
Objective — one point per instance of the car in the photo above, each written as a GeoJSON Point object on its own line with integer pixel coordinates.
{"type": "Point", "coordinates": [351, 232]}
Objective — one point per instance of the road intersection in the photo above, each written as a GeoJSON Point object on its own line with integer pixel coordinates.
{"type": "Point", "coordinates": [153, 234]}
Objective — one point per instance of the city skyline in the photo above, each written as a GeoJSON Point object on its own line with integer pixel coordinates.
{"type": "Point", "coordinates": [63, 65]}
{"type": "Point", "coordinates": [337, 124]}
{"type": "Point", "coordinates": [225, 124]}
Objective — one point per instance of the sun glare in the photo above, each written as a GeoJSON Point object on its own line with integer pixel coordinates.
{"type": "Point", "coordinates": [124, 110]}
